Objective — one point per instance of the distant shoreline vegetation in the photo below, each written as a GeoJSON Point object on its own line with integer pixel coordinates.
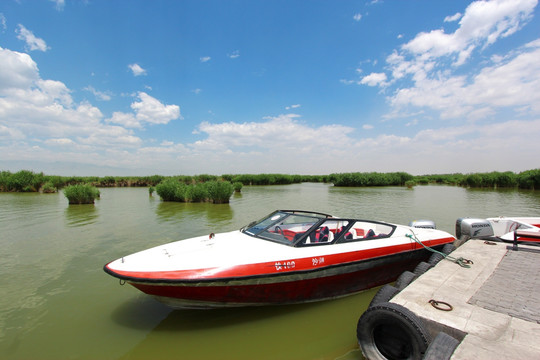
{"type": "Point", "coordinates": [28, 181]}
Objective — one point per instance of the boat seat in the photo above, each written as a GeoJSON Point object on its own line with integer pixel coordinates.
{"type": "Point", "coordinates": [349, 235]}
{"type": "Point", "coordinates": [330, 237]}
{"type": "Point", "coordinates": [288, 234]}
{"type": "Point", "coordinates": [322, 235]}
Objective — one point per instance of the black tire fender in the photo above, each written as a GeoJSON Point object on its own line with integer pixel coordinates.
{"type": "Point", "coordinates": [391, 331]}
{"type": "Point", "coordinates": [384, 294]}
{"type": "Point", "coordinates": [435, 258]}
{"type": "Point", "coordinates": [421, 268]}
{"type": "Point", "coordinates": [404, 280]}
{"type": "Point", "coordinates": [448, 248]}
{"type": "Point", "coordinates": [441, 348]}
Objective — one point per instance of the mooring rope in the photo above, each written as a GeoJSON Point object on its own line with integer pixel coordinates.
{"type": "Point", "coordinates": [460, 261]}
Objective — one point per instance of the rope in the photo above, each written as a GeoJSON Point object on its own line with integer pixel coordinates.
{"type": "Point", "coordinates": [460, 261]}
{"type": "Point", "coordinates": [441, 305]}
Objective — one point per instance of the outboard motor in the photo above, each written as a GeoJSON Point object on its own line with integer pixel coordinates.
{"type": "Point", "coordinates": [469, 228]}
{"type": "Point", "coordinates": [423, 224]}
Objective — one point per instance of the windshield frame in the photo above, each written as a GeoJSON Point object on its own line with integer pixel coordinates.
{"type": "Point", "coordinates": [266, 227]}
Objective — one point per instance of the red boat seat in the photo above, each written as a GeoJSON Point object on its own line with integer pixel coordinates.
{"type": "Point", "coordinates": [289, 234]}
{"type": "Point", "coordinates": [323, 234]}
{"type": "Point", "coordinates": [348, 235]}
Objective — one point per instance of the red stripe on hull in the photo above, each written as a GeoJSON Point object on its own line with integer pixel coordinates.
{"type": "Point", "coordinates": [302, 289]}
{"type": "Point", "coordinates": [275, 267]}
{"type": "Point", "coordinates": [528, 239]}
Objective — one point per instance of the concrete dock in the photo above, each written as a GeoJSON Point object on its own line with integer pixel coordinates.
{"type": "Point", "coordinates": [496, 302]}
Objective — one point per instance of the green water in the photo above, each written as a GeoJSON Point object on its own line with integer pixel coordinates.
{"type": "Point", "coordinates": [57, 303]}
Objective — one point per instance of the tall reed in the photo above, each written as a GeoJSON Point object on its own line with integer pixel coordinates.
{"type": "Point", "coordinates": [81, 194]}
{"type": "Point", "coordinates": [218, 192]}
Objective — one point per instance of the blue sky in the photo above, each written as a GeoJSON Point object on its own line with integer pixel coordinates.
{"type": "Point", "coordinates": [299, 87]}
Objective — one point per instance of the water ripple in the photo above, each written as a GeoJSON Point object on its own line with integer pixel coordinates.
{"type": "Point", "coordinates": [81, 215]}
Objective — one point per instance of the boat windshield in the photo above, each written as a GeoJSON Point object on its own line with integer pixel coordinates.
{"type": "Point", "coordinates": [284, 227]}
{"type": "Point", "coordinates": [300, 228]}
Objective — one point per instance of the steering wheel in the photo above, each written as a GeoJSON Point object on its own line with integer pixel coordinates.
{"type": "Point", "coordinates": [279, 231]}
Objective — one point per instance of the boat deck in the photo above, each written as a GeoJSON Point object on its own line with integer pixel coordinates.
{"type": "Point", "coordinates": [496, 310]}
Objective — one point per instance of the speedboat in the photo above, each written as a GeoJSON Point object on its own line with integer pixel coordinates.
{"type": "Point", "coordinates": [290, 256]}
{"type": "Point", "coordinates": [502, 228]}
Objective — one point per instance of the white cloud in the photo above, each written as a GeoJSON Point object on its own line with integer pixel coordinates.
{"type": "Point", "coordinates": [3, 22]}
{"type": "Point", "coordinates": [125, 119]}
{"type": "Point", "coordinates": [232, 147]}
{"type": "Point", "coordinates": [32, 42]}
{"type": "Point", "coordinates": [167, 153]}
{"type": "Point", "coordinates": [60, 142]}
{"type": "Point", "coordinates": [152, 111]}
{"type": "Point", "coordinates": [112, 137]}
{"type": "Point", "coordinates": [399, 114]}
{"type": "Point", "coordinates": [148, 110]}
{"type": "Point", "coordinates": [295, 106]}
{"type": "Point", "coordinates": [10, 134]}
{"type": "Point", "coordinates": [463, 149]}
{"type": "Point", "coordinates": [533, 44]}
{"type": "Point", "coordinates": [52, 91]}
{"type": "Point", "coordinates": [137, 69]}
{"type": "Point", "coordinates": [100, 95]}
{"type": "Point", "coordinates": [422, 78]}
{"type": "Point", "coordinates": [59, 4]}
{"type": "Point", "coordinates": [511, 83]}
{"type": "Point", "coordinates": [514, 83]}
{"type": "Point", "coordinates": [374, 79]}
{"type": "Point", "coordinates": [235, 54]}
{"type": "Point", "coordinates": [40, 113]}
{"type": "Point", "coordinates": [482, 24]}
{"type": "Point", "coordinates": [357, 17]}
{"type": "Point", "coordinates": [279, 133]}
{"type": "Point", "coordinates": [18, 70]}
{"type": "Point", "coordinates": [242, 147]}
{"type": "Point", "coordinates": [412, 122]}
{"type": "Point", "coordinates": [453, 18]}
{"type": "Point", "coordinates": [347, 82]}
{"type": "Point", "coordinates": [204, 58]}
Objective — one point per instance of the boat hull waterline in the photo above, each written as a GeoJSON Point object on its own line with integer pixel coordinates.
{"type": "Point", "coordinates": [238, 269]}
